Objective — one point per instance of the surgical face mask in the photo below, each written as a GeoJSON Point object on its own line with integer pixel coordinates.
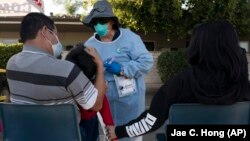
{"type": "Point", "coordinates": [101, 29]}
{"type": "Point", "coordinates": [57, 48]}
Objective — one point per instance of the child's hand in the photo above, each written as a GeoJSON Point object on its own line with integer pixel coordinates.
{"type": "Point", "coordinates": [93, 53]}
{"type": "Point", "coordinates": [111, 132]}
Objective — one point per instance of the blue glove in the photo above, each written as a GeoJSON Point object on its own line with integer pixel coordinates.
{"type": "Point", "coordinates": [113, 67]}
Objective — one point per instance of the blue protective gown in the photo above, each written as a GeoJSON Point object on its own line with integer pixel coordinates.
{"type": "Point", "coordinates": [128, 50]}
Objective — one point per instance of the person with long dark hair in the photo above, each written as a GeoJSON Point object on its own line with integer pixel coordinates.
{"type": "Point", "coordinates": [218, 75]}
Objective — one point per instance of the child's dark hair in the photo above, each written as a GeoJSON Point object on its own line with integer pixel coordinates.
{"type": "Point", "coordinates": [83, 60]}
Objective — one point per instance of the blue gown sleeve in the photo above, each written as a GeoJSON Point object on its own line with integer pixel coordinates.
{"type": "Point", "coordinates": [141, 59]}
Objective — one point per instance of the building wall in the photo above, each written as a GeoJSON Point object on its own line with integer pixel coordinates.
{"type": "Point", "coordinates": [152, 79]}
{"type": "Point", "coordinates": [71, 38]}
{"type": "Point", "coordinates": [162, 41]}
{"type": "Point", "coordinates": [66, 38]}
{"type": "Point", "coordinates": [10, 35]}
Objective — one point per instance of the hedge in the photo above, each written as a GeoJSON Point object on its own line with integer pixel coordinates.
{"type": "Point", "coordinates": [171, 62]}
{"type": "Point", "coordinates": [6, 51]}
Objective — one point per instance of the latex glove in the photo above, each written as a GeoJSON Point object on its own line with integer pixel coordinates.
{"type": "Point", "coordinates": [113, 67]}
{"type": "Point", "coordinates": [109, 60]}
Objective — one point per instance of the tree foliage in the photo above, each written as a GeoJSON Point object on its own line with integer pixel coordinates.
{"type": "Point", "coordinates": [6, 51]}
{"type": "Point", "coordinates": [174, 18]}
{"type": "Point", "coordinates": [235, 11]}
{"type": "Point", "coordinates": [71, 6]}
{"type": "Point", "coordinates": [170, 63]}
{"type": "Point", "coordinates": [149, 15]}
{"type": "Point", "coordinates": [178, 17]}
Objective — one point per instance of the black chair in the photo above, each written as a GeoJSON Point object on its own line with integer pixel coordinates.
{"type": "Point", "coordinates": [238, 113]}
{"type": "Point", "coordinates": [39, 122]}
{"type": "Point", "coordinates": [199, 114]}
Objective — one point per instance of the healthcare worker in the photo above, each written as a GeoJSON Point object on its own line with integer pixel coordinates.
{"type": "Point", "coordinates": [126, 62]}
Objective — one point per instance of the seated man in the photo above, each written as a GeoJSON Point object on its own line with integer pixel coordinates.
{"type": "Point", "coordinates": [36, 76]}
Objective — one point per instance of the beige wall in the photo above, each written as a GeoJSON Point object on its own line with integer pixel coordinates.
{"type": "Point", "coordinates": [152, 79]}
{"type": "Point", "coordinates": [162, 41]}
{"type": "Point", "coordinates": [71, 38]}
{"type": "Point", "coordinates": [12, 35]}
{"type": "Point", "coordinates": [67, 38]}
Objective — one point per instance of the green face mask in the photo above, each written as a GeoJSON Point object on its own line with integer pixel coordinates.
{"type": "Point", "coordinates": [101, 29]}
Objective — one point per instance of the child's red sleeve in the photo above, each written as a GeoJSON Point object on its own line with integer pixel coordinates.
{"type": "Point", "coordinates": [106, 113]}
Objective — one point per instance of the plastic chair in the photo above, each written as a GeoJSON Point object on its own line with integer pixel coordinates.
{"type": "Point", "coordinates": [160, 137]}
{"type": "Point", "coordinates": [195, 114]}
{"type": "Point", "coordinates": [235, 114]}
{"type": "Point", "coordinates": [39, 122]}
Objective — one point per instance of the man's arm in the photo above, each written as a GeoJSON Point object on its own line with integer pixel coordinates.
{"type": "Point", "coordinates": [99, 81]}
{"type": "Point", "coordinates": [87, 95]}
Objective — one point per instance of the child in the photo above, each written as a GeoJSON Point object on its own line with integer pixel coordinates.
{"type": "Point", "coordinates": [89, 122]}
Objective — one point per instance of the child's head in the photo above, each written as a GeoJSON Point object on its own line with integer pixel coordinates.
{"type": "Point", "coordinates": [83, 60]}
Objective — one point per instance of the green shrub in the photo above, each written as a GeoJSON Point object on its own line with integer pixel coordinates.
{"type": "Point", "coordinates": [6, 51]}
{"type": "Point", "coordinates": [171, 62]}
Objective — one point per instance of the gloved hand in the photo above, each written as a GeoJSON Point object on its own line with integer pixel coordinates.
{"type": "Point", "coordinates": [113, 67]}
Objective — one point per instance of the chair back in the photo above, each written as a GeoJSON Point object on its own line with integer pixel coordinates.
{"type": "Point", "coordinates": [199, 114]}
{"type": "Point", "coordinates": [39, 122]}
{"type": "Point", "coordinates": [192, 113]}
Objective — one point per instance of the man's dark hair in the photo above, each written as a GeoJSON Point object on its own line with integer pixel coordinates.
{"type": "Point", "coordinates": [32, 23]}
{"type": "Point", "coordinates": [83, 60]}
